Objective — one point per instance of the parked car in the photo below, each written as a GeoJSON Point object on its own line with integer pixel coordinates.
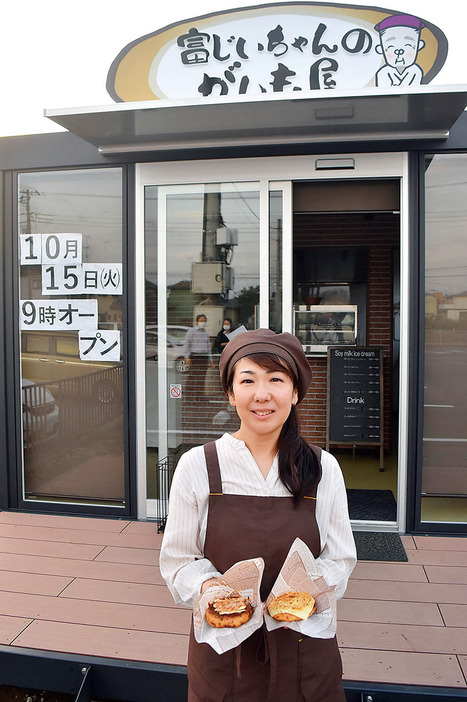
{"type": "Point", "coordinates": [53, 357]}
{"type": "Point", "coordinates": [177, 332]}
{"type": "Point", "coordinates": [175, 357]}
{"type": "Point", "coordinates": [40, 413]}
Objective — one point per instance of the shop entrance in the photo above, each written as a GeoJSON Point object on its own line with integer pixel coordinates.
{"type": "Point", "coordinates": [346, 242]}
{"type": "Point", "coordinates": [271, 243]}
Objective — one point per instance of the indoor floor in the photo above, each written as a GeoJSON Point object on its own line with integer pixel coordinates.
{"type": "Point", "coordinates": [361, 472]}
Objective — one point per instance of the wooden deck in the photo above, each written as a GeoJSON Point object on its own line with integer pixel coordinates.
{"type": "Point", "coordinates": [93, 587]}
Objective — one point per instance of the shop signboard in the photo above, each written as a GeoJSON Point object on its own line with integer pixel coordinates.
{"type": "Point", "coordinates": [279, 48]}
{"type": "Point", "coordinates": [355, 397]}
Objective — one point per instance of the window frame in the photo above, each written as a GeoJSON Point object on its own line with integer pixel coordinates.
{"type": "Point", "coordinates": [415, 523]}
{"type": "Point", "coordinates": [14, 478]}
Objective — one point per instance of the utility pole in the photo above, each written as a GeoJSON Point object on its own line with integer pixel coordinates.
{"type": "Point", "coordinates": [25, 199]}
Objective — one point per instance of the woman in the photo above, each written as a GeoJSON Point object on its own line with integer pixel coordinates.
{"type": "Point", "coordinates": [248, 495]}
{"type": "Point", "coordinates": [221, 340]}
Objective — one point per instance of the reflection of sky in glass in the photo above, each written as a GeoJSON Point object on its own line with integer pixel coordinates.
{"type": "Point", "coordinates": [240, 210]}
{"type": "Point", "coordinates": [446, 224]}
{"type": "Point", "coordinates": [87, 201]}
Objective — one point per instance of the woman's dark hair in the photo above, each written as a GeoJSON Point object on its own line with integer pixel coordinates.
{"type": "Point", "coordinates": [299, 467]}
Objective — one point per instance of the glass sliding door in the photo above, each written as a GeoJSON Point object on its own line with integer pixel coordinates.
{"type": "Point", "coordinates": [202, 283]}
{"type": "Point", "coordinates": [280, 256]}
{"type": "Point", "coordinates": [236, 243]}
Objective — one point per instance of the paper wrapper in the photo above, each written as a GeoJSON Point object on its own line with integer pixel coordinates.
{"type": "Point", "coordinates": [245, 578]}
{"type": "Point", "coordinates": [300, 573]}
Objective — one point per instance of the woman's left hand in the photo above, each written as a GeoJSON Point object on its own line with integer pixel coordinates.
{"type": "Point", "coordinates": [213, 582]}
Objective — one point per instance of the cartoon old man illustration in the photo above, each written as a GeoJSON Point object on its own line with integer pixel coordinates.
{"type": "Point", "coordinates": [400, 43]}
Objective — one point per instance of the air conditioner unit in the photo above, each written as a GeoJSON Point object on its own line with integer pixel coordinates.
{"type": "Point", "coordinates": [226, 236]}
{"type": "Point", "coordinates": [211, 278]}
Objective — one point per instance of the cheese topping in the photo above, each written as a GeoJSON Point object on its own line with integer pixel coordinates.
{"type": "Point", "coordinates": [300, 604]}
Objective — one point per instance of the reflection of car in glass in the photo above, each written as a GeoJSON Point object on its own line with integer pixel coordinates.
{"type": "Point", "coordinates": [175, 358]}
{"type": "Point", "coordinates": [177, 332]}
{"type": "Point", "coordinates": [40, 413]}
{"type": "Point", "coordinates": [53, 357]}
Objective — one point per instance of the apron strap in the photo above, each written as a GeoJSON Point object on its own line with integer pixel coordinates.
{"type": "Point", "coordinates": [214, 473]}
{"type": "Point", "coordinates": [212, 465]}
{"type": "Point", "coordinates": [267, 653]}
{"type": "Point", "coordinates": [317, 450]}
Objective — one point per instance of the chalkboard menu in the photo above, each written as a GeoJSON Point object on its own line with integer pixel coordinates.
{"type": "Point", "coordinates": [355, 394]}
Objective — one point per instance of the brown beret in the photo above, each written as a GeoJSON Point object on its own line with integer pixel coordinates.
{"type": "Point", "coordinates": [284, 345]}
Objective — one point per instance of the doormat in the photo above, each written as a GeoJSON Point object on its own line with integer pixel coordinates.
{"type": "Point", "coordinates": [372, 505]}
{"type": "Point", "coordinates": [379, 546]}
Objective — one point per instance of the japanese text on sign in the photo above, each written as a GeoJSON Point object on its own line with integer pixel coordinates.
{"type": "Point", "coordinates": [76, 279]}
{"type": "Point", "coordinates": [99, 345]}
{"type": "Point", "coordinates": [58, 314]}
{"type": "Point", "coordinates": [282, 47]}
{"type": "Point", "coordinates": [269, 55]}
{"type": "Point", "coordinates": [36, 249]}
{"type": "Point", "coordinates": [232, 53]}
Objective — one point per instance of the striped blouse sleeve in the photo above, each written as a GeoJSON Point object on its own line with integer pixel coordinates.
{"type": "Point", "coordinates": [182, 562]}
{"type": "Point", "coordinates": [338, 553]}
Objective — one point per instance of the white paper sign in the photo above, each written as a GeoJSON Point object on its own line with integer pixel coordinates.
{"type": "Point", "coordinates": [103, 278]}
{"type": "Point", "coordinates": [99, 345]}
{"type": "Point", "coordinates": [79, 279]}
{"type": "Point", "coordinates": [50, 248]}
{"type": "Point", "coordinates": [30, 249]}
{"type": "Point", "coordinates": [51, 315]}
{"type": "Point", "coordinates": [239, 330]}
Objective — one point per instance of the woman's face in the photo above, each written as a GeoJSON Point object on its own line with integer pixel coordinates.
{"type": "Point", "coordinates": [262, 398]}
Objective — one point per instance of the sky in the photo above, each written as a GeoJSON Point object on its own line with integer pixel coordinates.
{"type": "Point", "coordinates": [57, 55]}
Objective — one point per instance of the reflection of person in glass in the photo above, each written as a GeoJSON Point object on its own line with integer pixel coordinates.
{"type": "Point", "coordinates": [221, 340]}
{"type": "Point", "coordinates": [197, 352]}
{"type": "Point", "coordinates": [249, 495]}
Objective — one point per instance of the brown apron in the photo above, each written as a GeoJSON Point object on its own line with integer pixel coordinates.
{"type": "Point", "coordinates": [276, 666]}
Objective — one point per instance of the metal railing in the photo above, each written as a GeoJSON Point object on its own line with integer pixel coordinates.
{"type": "Point", "coordinates": [89, 401]}
{"type": "Point", "coordinates": [71, 407]}
{"type": "Point", "coordinates": [165, 470]}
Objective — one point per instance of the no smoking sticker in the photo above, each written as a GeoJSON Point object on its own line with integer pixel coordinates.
{"type": "Point", "coordinates": [175, 392]}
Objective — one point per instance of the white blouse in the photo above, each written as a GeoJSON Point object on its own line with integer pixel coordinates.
{"type": "Point", "coordinates": [182, 562]}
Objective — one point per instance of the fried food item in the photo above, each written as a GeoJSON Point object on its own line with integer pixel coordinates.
{"type": "Point", "coordinates": [229, 611]}
{"type": "Point", "coordinates": [292, 606]}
